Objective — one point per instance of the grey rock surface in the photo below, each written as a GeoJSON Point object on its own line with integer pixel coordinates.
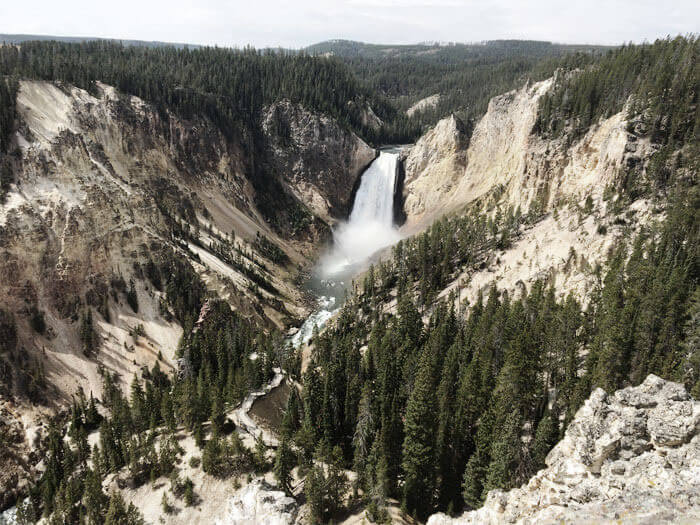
{"type": "Point", "coordinates": [631, 457]}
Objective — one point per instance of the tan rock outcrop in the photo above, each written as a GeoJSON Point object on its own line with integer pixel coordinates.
{"type": "Point", "coordinates": [433, 167]}
{"type": "Point", "coordinates": [319, 160]}
{"type": "Point", "coordinates": [503, 157]}
{"type": "Point", "coordinates": [423, 104]}
{"type": "Point", "coordinates": [628, 457]}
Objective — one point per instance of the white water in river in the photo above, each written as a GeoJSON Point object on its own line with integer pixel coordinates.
{"type": "Point", "coordinates": [369, 228]}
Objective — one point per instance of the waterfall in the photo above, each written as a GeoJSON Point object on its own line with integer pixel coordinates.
{"type": "Point", "coordinates": [371, 223]}
{"type": "Point", "coordinates": [374, 200]}
{"type": "Point", "coordinates": [369, 228]}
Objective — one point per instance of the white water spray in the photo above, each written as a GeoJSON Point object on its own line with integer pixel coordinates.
{"type": "Point", "coordinates": [371, 224]}
{"type": "Point", "coordinates": [369, 228]}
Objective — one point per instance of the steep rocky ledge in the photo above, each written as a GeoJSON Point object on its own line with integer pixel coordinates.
{"type": "Point", "coordinates": [629, 457]}
{"type": "Point", "coordinates": [319, 161]}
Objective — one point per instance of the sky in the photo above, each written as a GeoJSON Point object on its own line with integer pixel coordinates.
{"type": "Point", "coordinates": [298, 23]}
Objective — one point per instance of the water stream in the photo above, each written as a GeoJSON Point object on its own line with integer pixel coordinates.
{"type": "Point", "coordinates": [369, 228]}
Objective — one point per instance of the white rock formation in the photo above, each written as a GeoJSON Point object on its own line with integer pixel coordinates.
{"type": "Point", "coordinates": [259, 504]}
{"type": "Point", "coordinates": [630, 457]}
{"type": "Point", "coordinates": [433, 166]}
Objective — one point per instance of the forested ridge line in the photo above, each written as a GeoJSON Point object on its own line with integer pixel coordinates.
{"type": "Point", "coordinates": [658, 84]}
{"type": "Point", "coordinates": [466, 76]}
{"type": "Point", "coordinates": [228, 86]}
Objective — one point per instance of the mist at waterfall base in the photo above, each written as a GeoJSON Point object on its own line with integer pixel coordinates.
{"type": "Point", "coordinates": [369, 229]}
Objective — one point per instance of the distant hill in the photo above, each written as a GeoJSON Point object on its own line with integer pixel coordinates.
{"type": "Point", "coordinates": [461, 78]}
{"type": "Point", "coordinates": [18, 39]}
{"type": "Point", "coordinates": [452, 52]}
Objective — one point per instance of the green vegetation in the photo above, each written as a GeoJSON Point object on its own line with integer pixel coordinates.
{"type": "Point", "coordinates": [477, 399]}
{"type": "Point", "coordinates": [270, 250]}
{"type": "Point", "coordinates": [230, 87]}
{"type": "Point", "coordinates": [8, 95]}
{"type": "Point", "coordinates": [137, 436]}
{"type": "Point", "coordinates": [20, 374]}
{"type": "Point", "coordinates": [436, 401]}
{"type": "Point", "coordinates": [466, 76]}
{"type": "Point", "coordinates": [659, 81]}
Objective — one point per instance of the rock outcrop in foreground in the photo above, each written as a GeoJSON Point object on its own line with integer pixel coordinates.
{"type": "Point", "coordinates": [629, 457]}
{"type": "Point", "coordinates": [259, 504]}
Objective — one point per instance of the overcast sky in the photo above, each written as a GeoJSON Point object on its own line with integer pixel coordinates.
{"type": "Point", "coordinates": [297, 23]}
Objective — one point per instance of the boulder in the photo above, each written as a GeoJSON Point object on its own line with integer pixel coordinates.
{"type": "Point", "coordinates": [259, 504]}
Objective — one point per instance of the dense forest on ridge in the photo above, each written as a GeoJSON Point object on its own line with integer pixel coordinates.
{"type": "Point", "coordinates": [466, 76]}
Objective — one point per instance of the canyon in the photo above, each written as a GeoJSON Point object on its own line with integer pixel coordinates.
{"type": "Point", "coordinates": [110, 192]}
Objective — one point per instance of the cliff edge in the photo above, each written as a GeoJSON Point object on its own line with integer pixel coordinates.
{"type": "Point", "coordinates": [629, 457]}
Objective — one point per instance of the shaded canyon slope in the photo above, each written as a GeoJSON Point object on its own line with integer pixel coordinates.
{"type": "Point", "coordinates": [110, 197]}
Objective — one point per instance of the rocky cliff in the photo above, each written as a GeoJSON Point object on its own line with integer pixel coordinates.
{"type": "Point", "coordinates": [107, 188]}
{"type": "Point", "coordinates": [319, 161]}
{"type": "Point", "coordinates": [102, 182]}
{"type": "Point", "coordinates": [504, 154]}
{"type": "Point", "coordinates": [433, 167]}
{"type": "Point", "coordinates": [628, 457]}
{"type": "Point", "coordinates": [502, 165]}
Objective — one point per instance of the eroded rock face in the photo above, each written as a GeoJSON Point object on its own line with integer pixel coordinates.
{"type": "Point", "coordinates": [504, 160]}
{"type": "Point", "coordinates": [558, 186]}
{"type": "Point", "coordinates": [259, 504]}
{"type": "Point", "coordinates": [101, 182]}
{"type": "Point", "coordinates": [629, 457]}
{"type": "Point", "coordinates": [318, 159]}
{"type": "Point", "coordinates": [433, 166]}
{"type": "Point", "coordinates": [423, 104]}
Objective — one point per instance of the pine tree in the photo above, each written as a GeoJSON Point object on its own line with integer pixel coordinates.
{"type": "Point", "coordinates": [132, 297]}
{"type": "Point", "coordinates": [119, 514]}
{"type": "Point", "coordinates": [475, 471]}
{"type": "Point", "coordinates": [94, 500]}
{"type": "Point", "coordinates": [505, 455]}
{"type": "Point", "coordinates": [260, 454]}
{"type": "Point", "coordinates": [546, 436]}
{"type": "Point", "coordinates": [165, 504]}
{"type": "Point", "coordinates": [284, 463]}
{"type": "Point", "coordinates": [419, 444]}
